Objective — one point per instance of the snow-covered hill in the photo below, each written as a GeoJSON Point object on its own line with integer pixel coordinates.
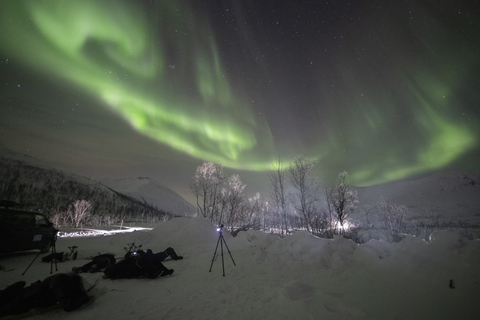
{"type": "Point", "coordinates": [153, 192]}
{"type": "Point", "coordinates": [452, 196]}
{"type": "Point", "coordinates": [31, 182]}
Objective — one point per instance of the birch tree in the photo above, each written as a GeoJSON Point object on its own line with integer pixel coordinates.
{"type": "Point", "coordinates": [279, 194]}
{"type": "Point", "coordinates": [303, 179]}
{"type": "Point", "coordinates": [205, 187]}
{"type": "Point", "coordinates": [343, 200]}
{"type": "Point", "coordinates": [79, 211]}
{"type": "Point", "coordinates": [393, 216]}
{"type": "Point", "coordinates": [233, 200]}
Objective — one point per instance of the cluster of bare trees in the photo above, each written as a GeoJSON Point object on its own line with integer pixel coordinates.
{"type": "Point", "coordinates": [393, 218]}
{"type": "Point", "coordinates": [320, 214]}
{"type": "Point", "coordinates": [297, 201]}
{"type": "Point", "coordinates": [222, 200]}
{"type": "Point", "coordinates": [80, 213]}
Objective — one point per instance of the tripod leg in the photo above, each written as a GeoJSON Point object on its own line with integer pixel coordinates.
{"type": "Point", "coordinates": [31, 263]}
{"type": "Point", "coordinates": [54, 255]}
{"type": "Point", "coordinates": [214, 254]}
{"type": "Point", "coordinates": [228, 251]}
{"type": "Point", "coordinates": [221, 247]}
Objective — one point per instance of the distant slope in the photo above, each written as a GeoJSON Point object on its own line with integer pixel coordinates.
{"type": "Point", "coordinates": [153, 192]}
{"type": "Point", "coordinates": [453, 196]}
{"type": "Point", "coordinates": [49, 190]}
{"type": "Point", "coordinates": [40, 187]}
{"type": "Point", "coordinates": [12, 155]}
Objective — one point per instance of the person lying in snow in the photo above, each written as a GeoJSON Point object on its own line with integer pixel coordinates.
{"type": "Point", "coordinates": [141, 263]}
{"type": "Point", "coordinates": [98, 263]}
{"type": "Point", "coordinates": [65, 289]}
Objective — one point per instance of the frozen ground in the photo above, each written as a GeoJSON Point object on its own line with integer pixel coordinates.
{"type": "Point", "coordinates": [298, 277]}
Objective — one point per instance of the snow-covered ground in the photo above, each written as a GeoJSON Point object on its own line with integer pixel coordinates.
{"type": "Point", "coordinates": [89, 232]}
{"type": "Point", "coordinates": [297, 277]}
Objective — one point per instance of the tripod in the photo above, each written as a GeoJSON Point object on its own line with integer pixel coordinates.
{"type": "Point", "coordinates": [53, 240]}
{"type": "Point", "coordinates": [221, 240]}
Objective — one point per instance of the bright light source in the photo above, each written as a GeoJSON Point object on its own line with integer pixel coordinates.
{"type": "Point", "coordinates": [346, 225]}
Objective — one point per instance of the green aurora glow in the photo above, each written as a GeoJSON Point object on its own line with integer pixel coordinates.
{"type": "Point", "coordinates": [127, 72]}
{"type": "Point", "coordinates": [172, 88]}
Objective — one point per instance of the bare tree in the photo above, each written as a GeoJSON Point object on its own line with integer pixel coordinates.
{"type": "Point", "coordinates": [78, 212]}
{"type": "Point", "coordinates": [233, 201]}
{"type": "Point", "coordinates": [393, 216]}
{"type": "Point", "coordinates": [342, 200]}
{"type": "Point", "coordinates": [249, 216]}
{"type": "Point", "coordinates": [321, 224]}
{"type": "Point", "coordinates": [306, 185]}
{"type": "Point", "coordinates": [367, 221]}
{"type": "Point", "coordinates": [269, 217]}
{"type": "Point", "coordinates": [205, 186]}
{"type": "Point", "coordinates": [429, 223]}
{"type": "Point", "coordinates": [279, 194]}
{"type": "Point", "coordinates": [59, 218]}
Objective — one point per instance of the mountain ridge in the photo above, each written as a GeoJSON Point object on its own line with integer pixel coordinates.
{"type": "Point", "coordinates": [40, 187]}
{"type": "Point", "coordinates": [153, 192]}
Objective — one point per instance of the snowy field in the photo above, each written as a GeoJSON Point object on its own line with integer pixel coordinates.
{"type": "Point", "coordinates": [298, 277]}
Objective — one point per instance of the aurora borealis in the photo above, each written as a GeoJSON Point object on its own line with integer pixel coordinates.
{"type": "Point", "coordinates": [382, 89]}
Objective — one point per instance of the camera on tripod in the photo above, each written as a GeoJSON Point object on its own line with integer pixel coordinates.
{"type": "Point", "coordinates": [54, 236]}
{"type": "Point", "coordinates": [221, 241]}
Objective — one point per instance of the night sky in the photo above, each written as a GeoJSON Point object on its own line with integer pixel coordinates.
{"type": "Point", "coordinates": [385, 90]}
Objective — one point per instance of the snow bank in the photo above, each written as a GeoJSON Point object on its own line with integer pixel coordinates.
{"type": "Point", "coordinates": [297, 277]}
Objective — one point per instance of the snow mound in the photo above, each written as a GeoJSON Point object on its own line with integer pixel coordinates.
{"type": "Point", "coordinates": [268, 277]}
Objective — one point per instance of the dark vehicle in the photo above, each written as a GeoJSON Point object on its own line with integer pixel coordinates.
{"type": "Point", "coordinates": [24, 230]}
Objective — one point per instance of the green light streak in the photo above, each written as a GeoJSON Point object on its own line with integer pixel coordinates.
{"type": "Point", "coordinates": [445, 140]}
{"type": "Point", "coordinates": [120, 53]}
{"type": "Point", "coordinates": [106, 48]}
